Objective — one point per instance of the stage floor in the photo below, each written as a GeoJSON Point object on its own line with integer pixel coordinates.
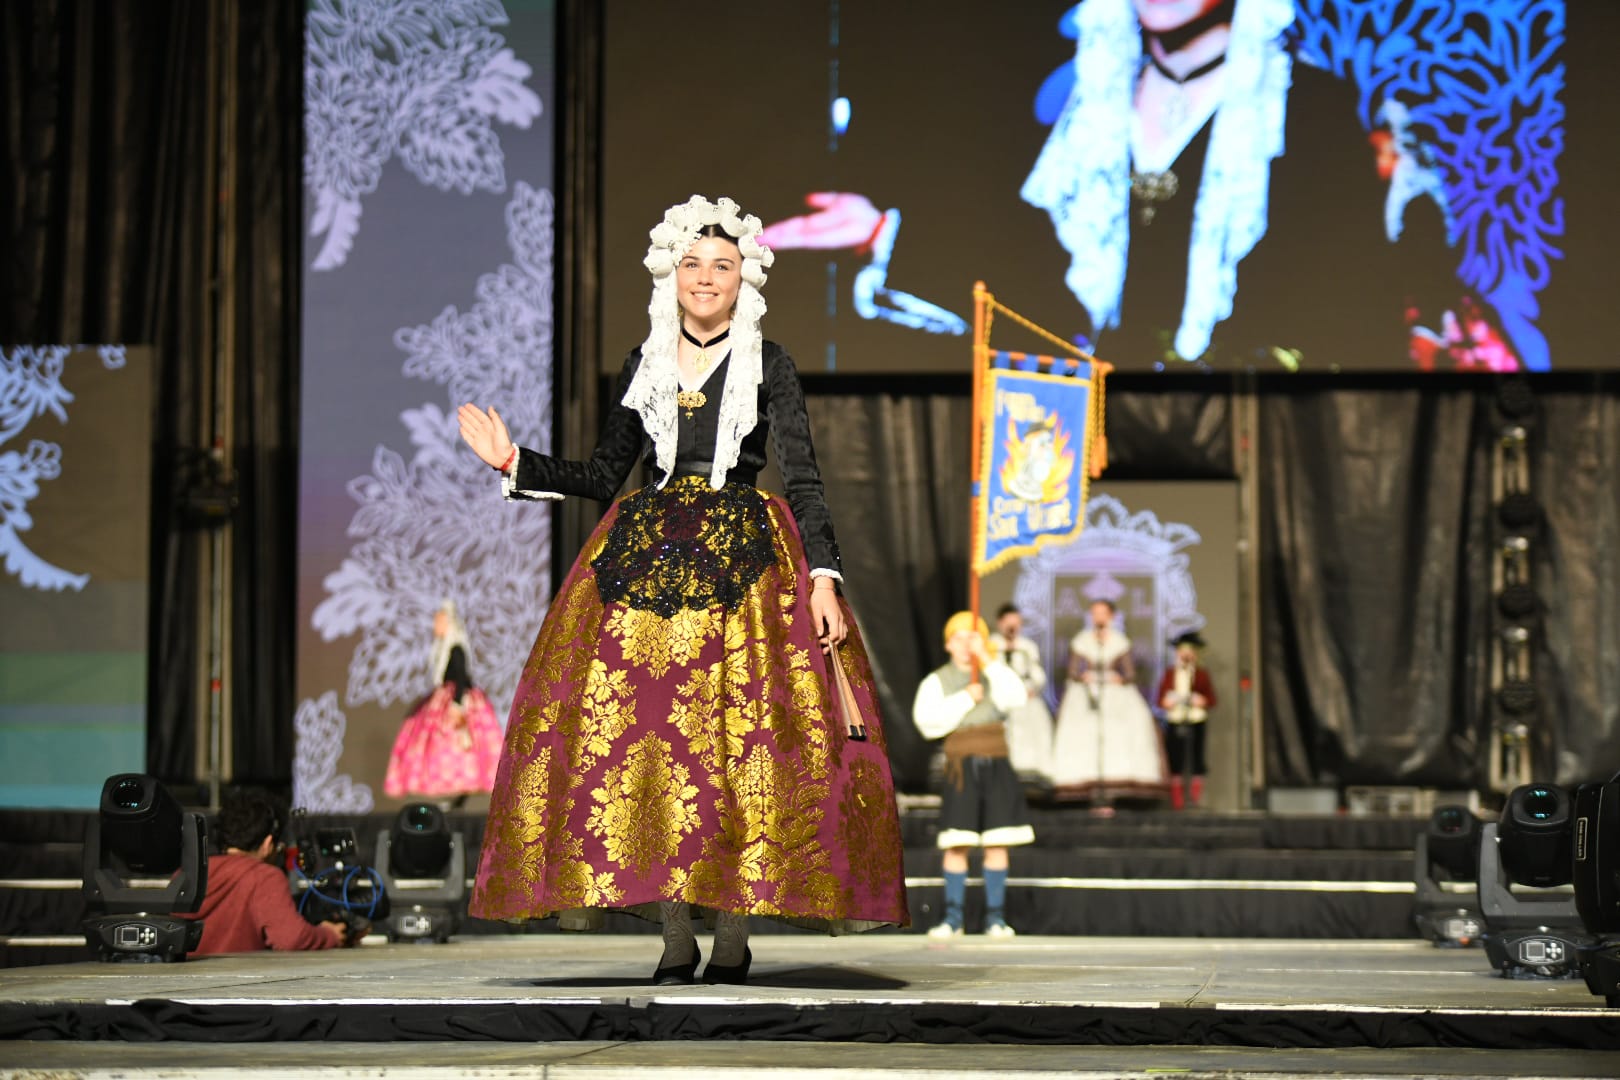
{"type": "Point", "coordinates": [1063, 1000]}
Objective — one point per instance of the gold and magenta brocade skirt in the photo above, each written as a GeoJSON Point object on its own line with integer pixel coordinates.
{"type": "Point", "coordinates": [674, 737]}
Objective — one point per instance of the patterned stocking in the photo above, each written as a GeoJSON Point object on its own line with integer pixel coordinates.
{"type": "Point", "coordinates": [730, 939]}
{"type": "Point", "coordinates": [678, 942]}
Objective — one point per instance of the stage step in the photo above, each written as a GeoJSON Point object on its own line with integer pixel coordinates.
{"type": "Point", "coordinates": [1150, 872]}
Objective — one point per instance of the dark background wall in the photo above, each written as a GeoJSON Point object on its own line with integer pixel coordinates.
{"type": "Point", "coordinates": [152, 195]}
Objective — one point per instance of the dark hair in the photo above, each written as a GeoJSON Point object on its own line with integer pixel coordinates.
{"type": "Point", "coordinates": [1007, 609]}
{"type": "Point", "coordinates": [247, 816]}
{"type": "Point", "coordinates": [1113, 609]}
{"type": "Point", "coordinates": [716, 230]}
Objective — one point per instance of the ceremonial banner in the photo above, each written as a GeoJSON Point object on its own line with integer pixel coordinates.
{"type": "Point", "coordinates": [1039, 431]}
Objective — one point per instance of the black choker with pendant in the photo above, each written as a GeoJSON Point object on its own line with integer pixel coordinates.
{"type": "Point", "coordinates": [702, 360]}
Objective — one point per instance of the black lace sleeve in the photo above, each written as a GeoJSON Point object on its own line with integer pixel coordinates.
{"type": "Point", "coordinates": [617, 449]}
{"type": "Point", "coordinates": [455, 671]}
{"type": "Point", "coordinates": [796, 457]}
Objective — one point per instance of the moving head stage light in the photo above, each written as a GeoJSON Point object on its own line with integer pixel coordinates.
{"type": "Point", "coordinates": [1531, 936]}
{"type": "Point", "coordinates": [1596, 873]}
{"type": "Point", "coordinates": [425, 867]}
{"type": "Point", "coordinates": [1445, 872]}
{"type": "Point", "coordinates": [144, 862]}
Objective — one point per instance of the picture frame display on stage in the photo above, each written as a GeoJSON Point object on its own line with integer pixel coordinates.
{"type": "Point", "coordinates": [1166, 554]}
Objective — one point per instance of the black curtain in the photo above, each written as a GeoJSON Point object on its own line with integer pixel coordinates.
{"type": "Point", "coordinates": [1575, 437]}
{"type": "Point", "coordinates": [125, 225]}
{"type": "Point", "coordinates": [1375, 537]}
{"type": "Point", "coordinates": [580, 388]}
{"type": "Point", "coordinates": [1379, 532]}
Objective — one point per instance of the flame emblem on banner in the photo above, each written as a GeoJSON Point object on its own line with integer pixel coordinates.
{"type": "Point", "coordinates": [1038, 462]}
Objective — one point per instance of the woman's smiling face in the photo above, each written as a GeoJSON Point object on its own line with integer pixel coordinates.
{"type": "Point", "coordinates": [708, 278]}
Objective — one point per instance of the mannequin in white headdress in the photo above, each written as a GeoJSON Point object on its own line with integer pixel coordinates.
{"type": "Point", "coordinates": [450, 744]}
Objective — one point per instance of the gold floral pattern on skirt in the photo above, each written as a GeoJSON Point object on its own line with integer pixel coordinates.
{"type": "Point", "coordinates": [693, 755]}
{"type": "Point", "coordinates": [658, 644]}
{"type": "Point", "coordinates": [644, 806]}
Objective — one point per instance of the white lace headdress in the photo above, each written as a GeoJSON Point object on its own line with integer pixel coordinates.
{"type": "Point", "coordinates": [652, 391]}
{"type": "Point", "coordinates": [1083, 175]}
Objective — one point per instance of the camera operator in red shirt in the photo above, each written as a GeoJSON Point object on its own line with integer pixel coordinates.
{"type": "Point", "coordinates": [248, 906]}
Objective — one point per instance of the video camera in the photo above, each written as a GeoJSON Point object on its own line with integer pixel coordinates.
{"type": "Point", "coordinates": [329, 884]}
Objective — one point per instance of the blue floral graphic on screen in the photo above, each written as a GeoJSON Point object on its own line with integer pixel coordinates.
{"type": "Point", "coordinates": [424, 80]}
{"type": "Point", "coordinates": [30, 387]}
{"type": "Point", "coordinates": [1482, 78]}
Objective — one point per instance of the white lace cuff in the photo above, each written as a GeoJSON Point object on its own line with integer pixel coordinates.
{"type": "Point", "coordinates": [510, 491]}
{"type": "Point", "coordinates": [823, 572]}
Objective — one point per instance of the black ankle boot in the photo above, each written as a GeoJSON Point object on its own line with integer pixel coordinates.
{"type": "Point", "coordinates": [680, 974]}
{"type": "Point", "coordinates": [735, 974]}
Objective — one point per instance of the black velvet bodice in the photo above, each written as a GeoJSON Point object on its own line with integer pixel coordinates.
{"type": "Point", "coordinates": [782, 419]}
{"type": "Point", "coordinates": [455, 672]}
{"type": "Point", "coordinates": [1156, 285]}
{"type": "Point", "coordinates": [698, 427]}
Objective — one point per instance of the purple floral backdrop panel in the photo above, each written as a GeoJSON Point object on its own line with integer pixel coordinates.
{"type": "Point", "coordinates": [428, 213]}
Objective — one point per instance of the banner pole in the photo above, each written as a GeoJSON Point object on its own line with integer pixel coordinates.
{"type": "Point", "coordinates": [981, 356]}
{"type": "Point", "coordinates": [981, 347]}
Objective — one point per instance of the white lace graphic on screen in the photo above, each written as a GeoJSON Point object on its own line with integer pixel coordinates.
{"type": "Point", "coordinates": [421, 79]}
{"type": "Point", "coordinates": [318, 728]}
{"type": "Point", "coordinates": [434, 526]}
{"type": "Point", "coordinates": [30, 387]}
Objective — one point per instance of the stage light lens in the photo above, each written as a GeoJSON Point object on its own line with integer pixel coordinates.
{"type": "Point", "coordinates": [1536, 836]}
{"type": "Point", "coordinates": [420, 818]}
{"type": "Point", "coordinates": [1540, 803]}
{"type": "Point", "coordinates": [127, 794]}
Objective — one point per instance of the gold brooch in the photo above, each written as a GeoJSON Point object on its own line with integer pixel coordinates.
{"type": "Point", "coordinates": [691, 399]}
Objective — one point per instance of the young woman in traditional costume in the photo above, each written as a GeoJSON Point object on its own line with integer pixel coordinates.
{"type": "Point", "coordinates": [687, 731]}
{"type": "Point", "coordinates": [1107, 743]}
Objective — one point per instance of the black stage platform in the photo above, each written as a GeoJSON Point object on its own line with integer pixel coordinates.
{"type": "Point", "coordinates": [881, 988]}
{"type": "Point", "coordinates": [1154, 873]}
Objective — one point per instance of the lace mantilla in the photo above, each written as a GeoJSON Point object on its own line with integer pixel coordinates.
{"type": "Point", "coordinates": [686, 547]}
{"type": "Point", "coordinates": [652, 391]}
{"type": "Point", "coordinates": [1083, 175]}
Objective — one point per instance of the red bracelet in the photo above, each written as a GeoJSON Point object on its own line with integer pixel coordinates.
{"type": "Point", "coordinates": [508, 465]}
